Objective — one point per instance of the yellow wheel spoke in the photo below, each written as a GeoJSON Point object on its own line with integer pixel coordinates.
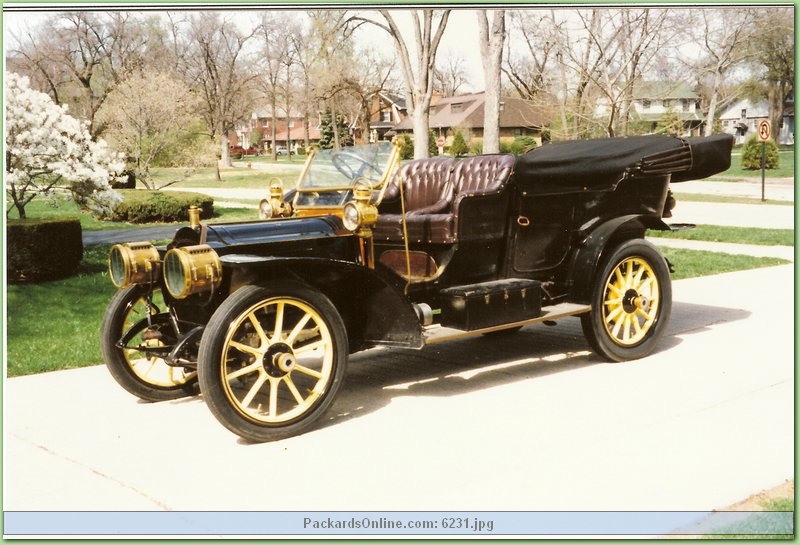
{"type": "Point", "coordinates": [273, 398]}
{"type": "Point", "coordinates": [277, 335]}
{"type": "Point", "coordinates": [254, 390]}
{"type": "Point", "coordinates": [615, 312]}
{"type": "Point", "coordinates": [292, 388]}
{"type": "Point", "coordinates": [297, 329]}
{"type": "Point", "coordinates": [253, 367]}
{"type": "Point", "coordinates": [247, 348]}
{"type": "Point", "coordinates": [310, 347]}
{"type": "Point", "coordinates": [262, 336]}
{"type": "Point", "coordinates": [307, 371]}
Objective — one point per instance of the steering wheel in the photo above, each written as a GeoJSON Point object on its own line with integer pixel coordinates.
{"type": "Point", "coordinates": [338, 160]}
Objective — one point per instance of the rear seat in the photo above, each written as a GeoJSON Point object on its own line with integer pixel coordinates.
{"type": "Point", "coordinates": [434, 190]}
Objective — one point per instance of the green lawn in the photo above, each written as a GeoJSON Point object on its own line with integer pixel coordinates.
{"type": "Point", "coordinates": [231, 177]}
{"type": "Point", "coordinates": [738, 235]}
{"type": "Point", "coordinates": [785, 167]}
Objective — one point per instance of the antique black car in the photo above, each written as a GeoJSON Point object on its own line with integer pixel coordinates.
{"type": "Point", "coordinates": [369, 251]}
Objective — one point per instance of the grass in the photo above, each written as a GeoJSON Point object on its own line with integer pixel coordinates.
{"type": "Point", "coordinates": [701, 197]}
{"type": "Point", "coordinates": [694, 263]}
{"type": "Point", "coordinates": [759, 524]}
{"type": "Point", "coordinates": [62, 206]}
{"type": "Point", "coordinates": [785, 167]}
{"type": "Point", "coordinates": [54, 325]}
{"type": "Point", "coordinates": [738, 235]}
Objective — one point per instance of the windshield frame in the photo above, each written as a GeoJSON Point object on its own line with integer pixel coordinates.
{"type": "Point", "coordinates": [383, 155]}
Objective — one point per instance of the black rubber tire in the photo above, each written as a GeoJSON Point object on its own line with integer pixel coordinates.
{"type": "Point", "coordinates": [233, 327]}
{"type": "Point", "coordinates": [121, 314]}
{"type": "Point", "coordinates": [655, 286]}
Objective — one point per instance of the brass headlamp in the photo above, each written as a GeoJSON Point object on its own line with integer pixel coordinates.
{"type": "Point", "coordinates": [191, 269]}
{"type": "Point", "coordinates": [133, 263]}
{"type": "Point", "coordinates": [274, 206]}
{"type": "Point", "coordinates": [359, 215]}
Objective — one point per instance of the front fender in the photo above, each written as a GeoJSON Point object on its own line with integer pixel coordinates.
{"type": "Point", "coordinates": [603, 238]}
{"type": "Point", "coordinates": [371, 303]}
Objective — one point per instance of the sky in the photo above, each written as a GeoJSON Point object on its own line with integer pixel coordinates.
{"type": "Point", "coordinates": [459, 39]}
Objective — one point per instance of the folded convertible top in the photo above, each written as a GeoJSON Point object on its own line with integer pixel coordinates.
{"type": "Point", "coordinates": [600, 164]}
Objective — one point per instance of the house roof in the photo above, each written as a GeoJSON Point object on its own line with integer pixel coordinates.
{"type": "Point", "coordinates": [660, 90]}
{"type": "Point", "coordinates": [466, 111]}
{"type": "Point", "coordinates": [297, 134]}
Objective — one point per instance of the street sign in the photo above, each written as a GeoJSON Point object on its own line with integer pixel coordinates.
{"type": "Point", "coordinates": [764, 130]}
{"type": "Point", "coordinates": [440, 142]}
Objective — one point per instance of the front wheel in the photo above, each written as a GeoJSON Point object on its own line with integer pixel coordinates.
{"type": "Point", "coordinates": [272, 359]}
{"type": "Point", "coordinates": [134, 328]}
{"type": "Point", "coordinates": [631, 302]}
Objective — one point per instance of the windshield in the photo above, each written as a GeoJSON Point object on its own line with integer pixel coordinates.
{"type": "Point", "coordinates": [330, 174]}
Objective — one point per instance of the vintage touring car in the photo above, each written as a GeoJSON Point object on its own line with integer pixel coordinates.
{"type": "Point", "coordinates": [262, 315]}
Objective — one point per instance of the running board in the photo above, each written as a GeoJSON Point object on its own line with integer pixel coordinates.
{"type": "Point", "coordinates": [436, 334]}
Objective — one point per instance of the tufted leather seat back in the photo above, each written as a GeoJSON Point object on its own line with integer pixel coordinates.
{"type": "Point", "coordinates": [428, 188]}
{"type": "Point", "coordinates": [482, 173]}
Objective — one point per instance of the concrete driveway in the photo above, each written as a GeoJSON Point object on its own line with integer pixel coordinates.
{"type": "Point", "coordinates": [533, 422]}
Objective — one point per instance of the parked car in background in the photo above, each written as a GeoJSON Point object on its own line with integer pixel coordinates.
{"type": "Point", "coordinates": [263, 315]}
{"type": "Point", "coordinates": [283, 150]}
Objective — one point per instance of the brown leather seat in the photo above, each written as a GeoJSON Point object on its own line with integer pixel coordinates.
{"type": "Point", "coordinates": [433, 190]}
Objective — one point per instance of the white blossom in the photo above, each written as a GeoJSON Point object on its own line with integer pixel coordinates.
{"type": "Point", "coordinates": [46, 148]}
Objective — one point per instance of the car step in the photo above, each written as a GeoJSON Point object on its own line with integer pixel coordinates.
{"type": "Point", "coordinates": [435, 333]}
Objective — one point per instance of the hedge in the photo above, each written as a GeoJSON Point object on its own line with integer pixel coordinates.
{"type": "Point", "coordinates": [145, 206]}
{"type": "Point", "coordinates": [43, 249]}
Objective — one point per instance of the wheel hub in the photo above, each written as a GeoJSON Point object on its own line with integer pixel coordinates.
{"type": "Point", "coordinates": [279, 360]}
{"type": "Point", "coordinates": [633, 302]}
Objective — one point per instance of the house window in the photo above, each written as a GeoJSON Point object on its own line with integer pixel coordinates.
{"type": "Point", "coordinates": [386, 116]}
{"type": "Point", "coordinates": [291, 123]}
{"type": "Point", "coordinates": [667, 104]}
{"type": "Point", "coordinates": [646, 104]}
{"type": "Point", "coordinates": [744, 113]}
{"type": "Point", "coordinates": [456, 107]}
{"type": "Point", "coordinates": [685, 105]}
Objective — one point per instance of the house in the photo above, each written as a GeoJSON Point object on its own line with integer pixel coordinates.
{"type": "Point", "coordinates": [386, 110]}
{"type": "Point", "coordinates": [654, 101]}
{"type": "Point", "coordinates": [518, 117]}
{"type": "Point", "coordinates": [289, 131]}
{"type": "Point", "coordinates": [743, 116]}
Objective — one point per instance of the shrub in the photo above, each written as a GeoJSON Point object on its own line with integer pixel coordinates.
{"type": "Point", "coordinates": [144, 206]}
{"type": "Point", "coordinates": [459, 145]}
{"type": "Point", "coordinates": [751, 154]}
{"type": "Point", "coordinates": [43, 249]}
{"type": "Point", "coordinates": [522, 144]}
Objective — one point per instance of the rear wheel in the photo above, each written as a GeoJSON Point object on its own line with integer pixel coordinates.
{"type": "Point", "coordinates": [631, 302]}
{"type": "Point", "coordinates": [272, 360]}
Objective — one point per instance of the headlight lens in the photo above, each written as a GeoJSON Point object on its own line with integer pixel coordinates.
{"type": "Point", "coordinates": [133, 263]}
{"type": "Point", "coordinates": [351, 216]}
{"type": "Point", "coordinates": [265, 209]}
{"type": "Point", "coordinates": [191, 269]}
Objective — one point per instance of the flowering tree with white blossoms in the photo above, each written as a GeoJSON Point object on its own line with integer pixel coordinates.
{"type": "Point", "coordinates": [49, 150]}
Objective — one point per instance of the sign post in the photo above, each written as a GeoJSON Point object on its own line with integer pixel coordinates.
{"type": "Point", "coordinates": [764, 132]}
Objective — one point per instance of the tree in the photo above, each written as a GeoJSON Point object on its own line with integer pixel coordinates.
{"type": "Point", "coordinates": [215, 64]}
{"type": "Point", "coordinates": [333, 132]}
{"type": "Point", "coordinates": [774, 46]}
{"type": "Point", "coordinates": [47, 149]}
{"type": "Point", "coordinates": [491, 42]}
{"type": "Point", "coordinates": [80, 57]}
{"type": "Point", "coordinates": [150, 117]}
{"type": "Point", "coordinates": [459, 145]}
{"type": "Point", "coordinates": [450, 75]}
{"type": "Point", "coordinates": [723, 34]}
{"type": "Point", "coordinates": [419, 75]}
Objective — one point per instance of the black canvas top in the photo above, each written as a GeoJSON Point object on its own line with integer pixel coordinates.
{"type": "Point", "coordinates": [600, 164]}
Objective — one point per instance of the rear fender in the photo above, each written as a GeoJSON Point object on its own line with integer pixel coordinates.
{"type": "Point", "coordinates": [602, 239]}
{"type": "Point", "coordinates": [373, 307]}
